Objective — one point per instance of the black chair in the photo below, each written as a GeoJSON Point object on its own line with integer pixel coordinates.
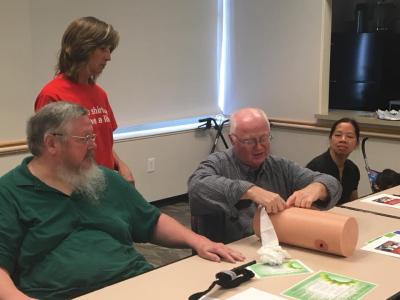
{"type": "Point", "coordinates": [211, 226]}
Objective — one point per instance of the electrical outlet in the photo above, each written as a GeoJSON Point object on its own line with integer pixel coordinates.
{"type": "Point", "coordinates": [151, 164]}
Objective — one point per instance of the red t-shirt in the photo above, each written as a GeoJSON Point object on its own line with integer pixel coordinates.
{"type": "Point", "coordinates": [94, 99]}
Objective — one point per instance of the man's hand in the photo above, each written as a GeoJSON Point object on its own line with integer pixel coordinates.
{"type": "Point", "coordinates": [216, 251]}
{"type": "Point", "coordinates": [307, 196]}
{"type": "Point", "coordinates": [169, 233]}
{"type": "Point", "coordinates": [272, 202]}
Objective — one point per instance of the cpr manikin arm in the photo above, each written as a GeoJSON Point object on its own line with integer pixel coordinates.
{"type": "Point", "coordinates": [313, 229]}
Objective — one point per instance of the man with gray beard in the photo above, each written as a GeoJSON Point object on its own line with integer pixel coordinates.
{"type": "Point", "coordinates": [88, 182]}
{"type": "Point", "coordinates": [67, 226]}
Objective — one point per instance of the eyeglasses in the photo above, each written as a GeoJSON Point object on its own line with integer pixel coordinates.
{"type": "Point", "coordinates": [263, 140]}
{"type": "Point", "coordinates": [85, 139]}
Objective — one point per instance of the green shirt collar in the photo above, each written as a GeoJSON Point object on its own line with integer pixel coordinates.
{"type": "Point", "coordinates": [24, 177]}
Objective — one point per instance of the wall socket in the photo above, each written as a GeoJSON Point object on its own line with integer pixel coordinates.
{"type": "Point", "coordinates": [151, 164]}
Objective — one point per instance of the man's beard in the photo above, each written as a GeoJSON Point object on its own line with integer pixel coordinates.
{"type": "Point", "coordinates": [88, 182]}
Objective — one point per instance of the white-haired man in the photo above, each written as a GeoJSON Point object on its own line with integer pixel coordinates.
{"type": "Point", "coordinates": [226, 188]}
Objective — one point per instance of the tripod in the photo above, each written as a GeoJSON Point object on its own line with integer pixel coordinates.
{"type": "Point", "coordinates": [212, 123]}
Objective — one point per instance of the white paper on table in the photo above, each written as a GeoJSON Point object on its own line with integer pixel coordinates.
{"type": "Point", "coordinates": [255, 294]}
{"type": "Point", "coordinates": [383, 200]}
{"type": "Point", "coordinates": [388, 244]}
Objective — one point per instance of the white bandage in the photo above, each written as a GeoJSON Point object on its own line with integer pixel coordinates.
{"type": "Point", "coordinates": [270, 252]}
{"type": "Point", "coordinates": [272, 255]}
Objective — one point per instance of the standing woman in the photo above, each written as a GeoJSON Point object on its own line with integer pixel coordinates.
{"type": "Point", "coordinates": [86, 48]}
{"type": "Point", "coordinates": [343, 139]}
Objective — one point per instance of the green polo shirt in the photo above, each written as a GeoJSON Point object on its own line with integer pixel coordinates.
{"type": "Point", "coordinates": [57, 246]}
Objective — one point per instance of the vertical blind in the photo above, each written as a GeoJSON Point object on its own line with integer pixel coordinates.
{"type": "Point", "coordinates": [165, 67]}
{"type": "Point", "coordinates": [275, 56]}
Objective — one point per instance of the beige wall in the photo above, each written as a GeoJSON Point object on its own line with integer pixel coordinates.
{"type": "Point", "coordinates": [176, 156]}
{"type": "Point", "coordinates": [279, 57]}
{"type": "Point", "coordinates": [16, 68]}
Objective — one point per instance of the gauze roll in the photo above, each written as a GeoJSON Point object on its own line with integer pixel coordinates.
{"type": "Point", "coordinates": [270, 252]}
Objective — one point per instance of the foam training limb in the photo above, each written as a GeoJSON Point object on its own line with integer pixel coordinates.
{"type": "Point", "coordinates": [313, 229]}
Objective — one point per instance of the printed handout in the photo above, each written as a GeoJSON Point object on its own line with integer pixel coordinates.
{"type": "Point", "coordinates": [388, 244]}
{"type": "Point", "coordinates": [384, 199]}
{"type": "Point", "coordinates": [290, 267]}
{"type": "Point", "coordinates": [329, 286]}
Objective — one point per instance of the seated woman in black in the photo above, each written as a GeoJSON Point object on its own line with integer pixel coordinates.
{"type": "Point", "coordinates": [343, 139]}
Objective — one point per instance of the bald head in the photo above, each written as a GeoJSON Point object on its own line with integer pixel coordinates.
{"type": "Point", "coordinates": [247, 117]}
{"type": "Point", "coordinates": [249, 135]}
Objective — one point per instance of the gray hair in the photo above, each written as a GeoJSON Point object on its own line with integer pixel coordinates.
{"type": "Point", "coordinates": [50, 119]}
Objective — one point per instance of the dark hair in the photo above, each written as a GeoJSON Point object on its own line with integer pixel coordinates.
{"type": "Point", "coordinates": [51, 118]}
{"type": "Point", "coordinates": [347, 120]}
{"type": "Point", "coordinates": [80, 39]}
